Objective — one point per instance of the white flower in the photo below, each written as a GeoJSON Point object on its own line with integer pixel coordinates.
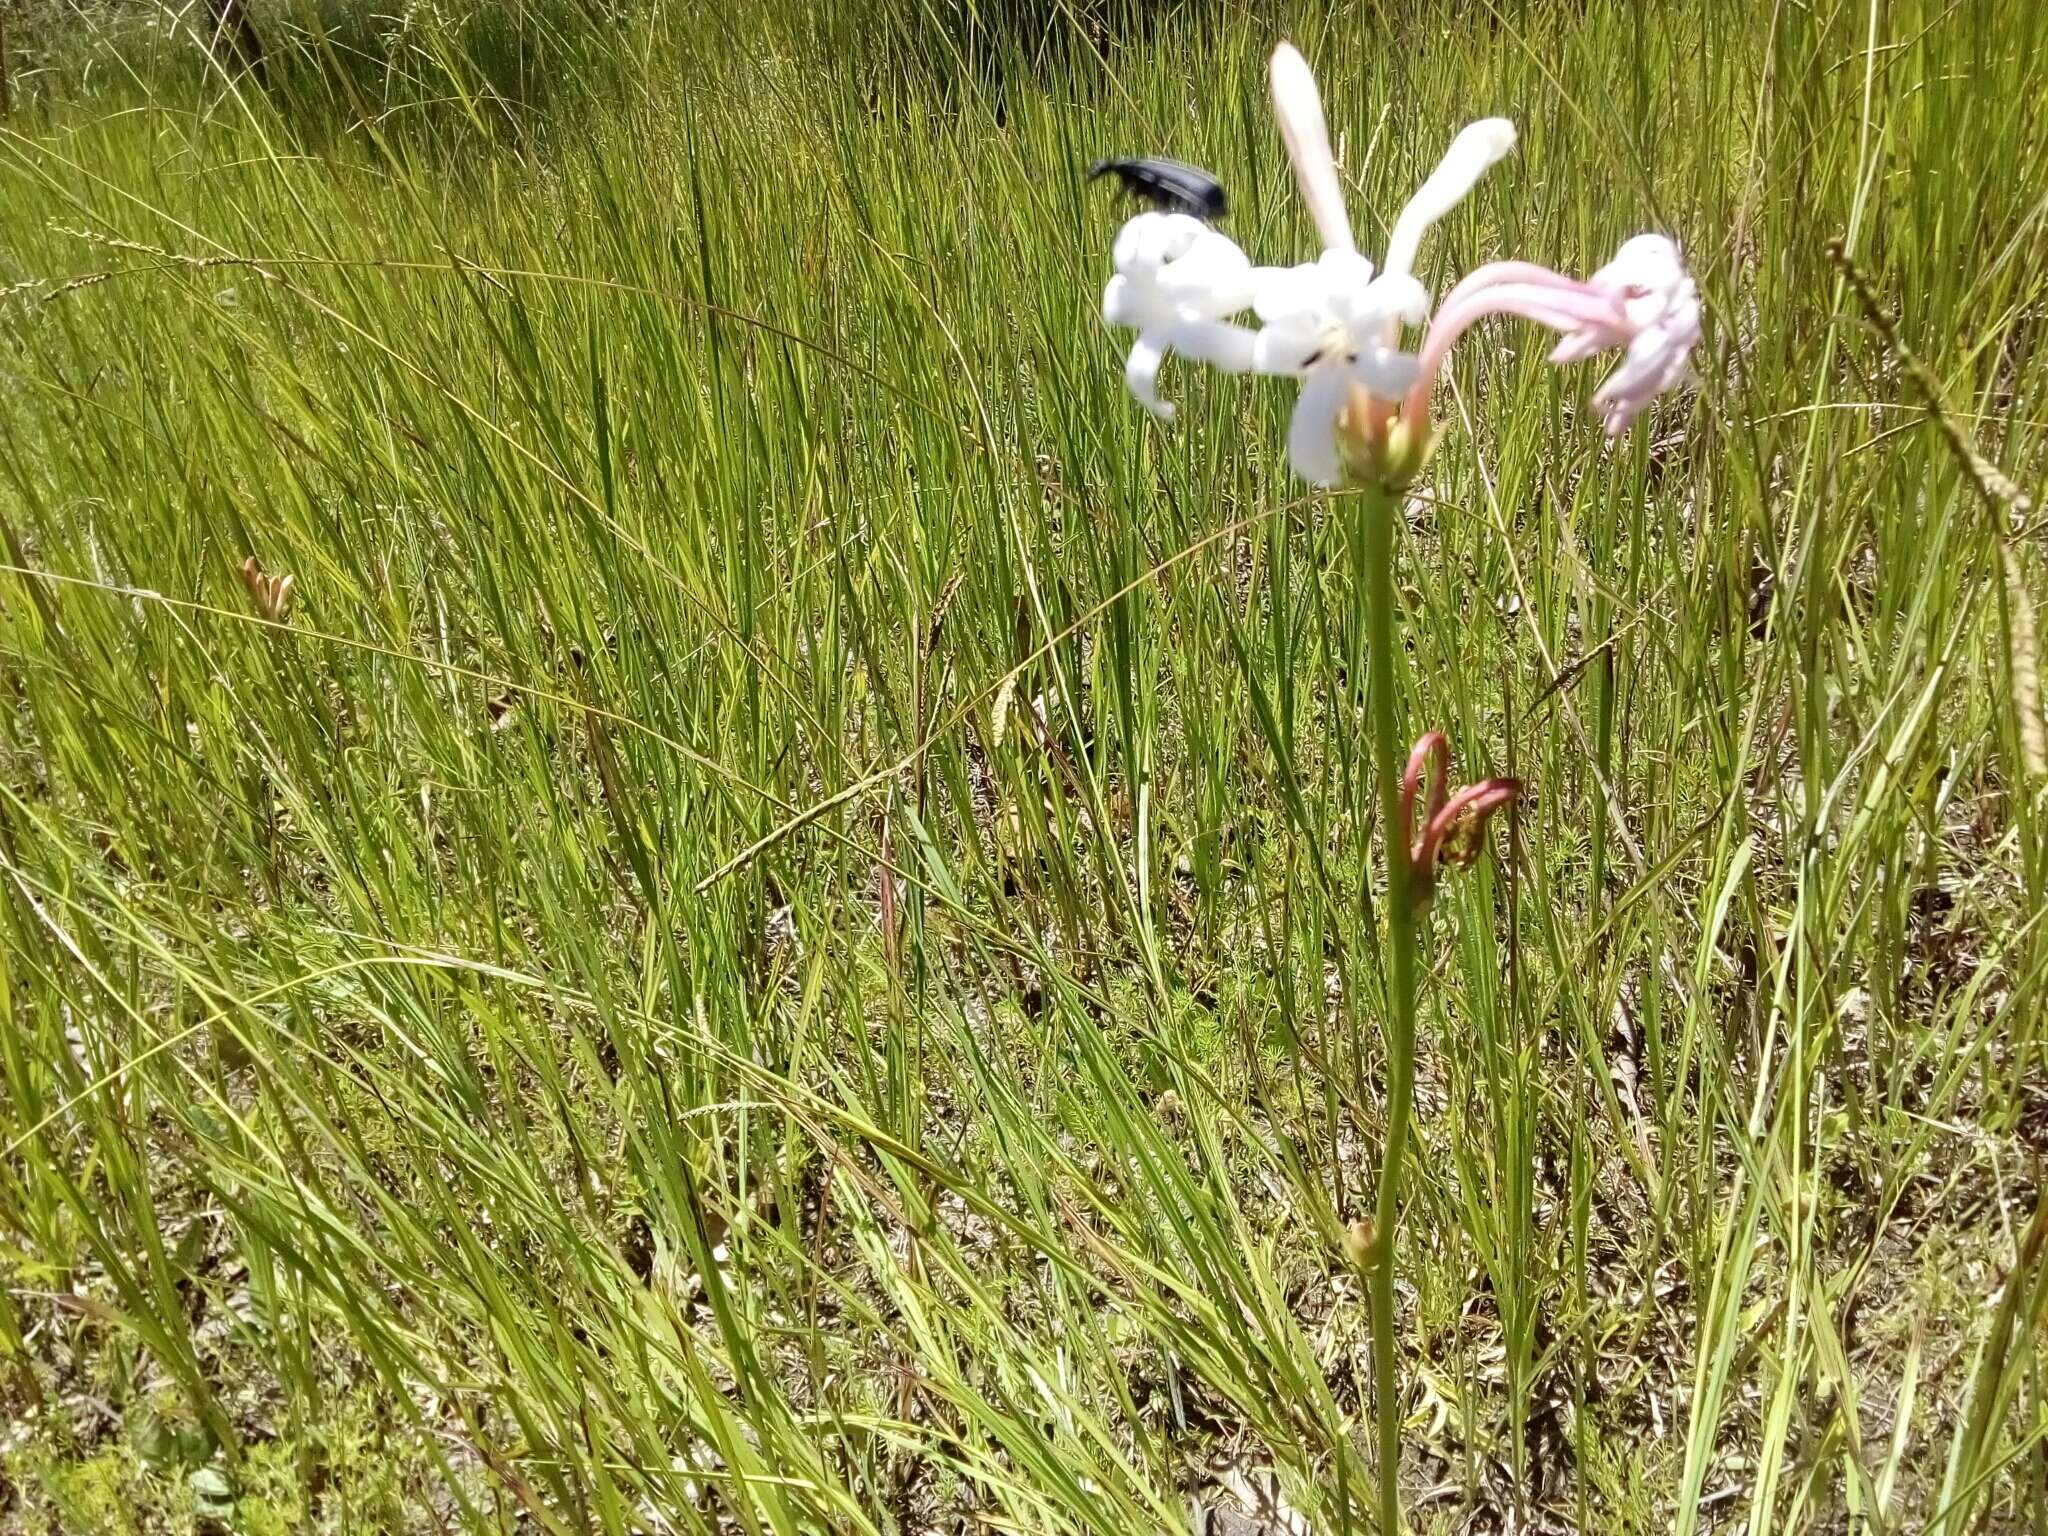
{"type": "Point", "coordinates": [1177, 282]}
{"type": "Point", "coordinates": [1331, 325]}
{"type": "Point", "coordinates": [1336, 324]}
{"type": "Point", "coordinates": [1331, 322]}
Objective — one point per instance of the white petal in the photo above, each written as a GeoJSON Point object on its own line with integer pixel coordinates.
{"type": "Point", "coordinates": [1150, 240]}
{"type": "Point", "coordinates": [1472, 152]}
{"type": "Point", "coordinates": [1619, 410]}
{"type": "Point", "coordinates": [1123, 303]}
{"type": "Point", "coordinates": [1397, 296]}
{"type": "Point", "coordinates": [1289, 345]}
{"type": "Point", "coordinates": [1650, 366]}
{"type": "Point", "coordinates": [1125, 252]}
{"type": "Point", "coordinates": [1312, 434]}
{"type": "Point", "coordinates": [1346, 277]}
{"type": "Point", "coordinates": [1649, 263]}
{"type": "Point", "coordinates": [1345, 268]}
{"type": "Point", "coordinates": [1583, 343]}
{"type": "Point", "coordinates": [1174, 236]}
{"type": "Point", "coordinates": [1300, 111]}
{"type": "Point", "coordinates": [1141, 373]}
{"type": "Point", "coordinates": [1282, 292]}
{"type": "Point", "coordinates": [1212, 277]}
{"type": "Point", "coordinates": [1215, 342]}
{"type": "Point", "coordinates": [1387, 372]}
{"type": "Point", "coordinates": [1657, 361]}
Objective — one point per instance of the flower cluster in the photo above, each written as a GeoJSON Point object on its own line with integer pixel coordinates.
{"type": "Point", "coordinates": [1338, 325]}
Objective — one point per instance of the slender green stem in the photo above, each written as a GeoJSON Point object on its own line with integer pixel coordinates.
{"type": "Point", "coordinates": [1377, 508]}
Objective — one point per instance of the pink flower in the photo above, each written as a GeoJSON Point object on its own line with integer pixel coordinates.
{"type": "Point", "coordinates": [1454, 825]}
{"type": "Point", "coordinates": [1643, 300]}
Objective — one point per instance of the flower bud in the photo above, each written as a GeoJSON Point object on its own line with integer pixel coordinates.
{"type": "Point", "coordinates": [270, 594]}
{"type": "Point", "coordinates": [1362, 1245]}
{"type": "Point", "coordinates": [1378, 445]}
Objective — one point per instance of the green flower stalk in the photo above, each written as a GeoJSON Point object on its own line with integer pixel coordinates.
{"type": "Point", "coordinates": [1361, 424]}
{"type": "Point", "coordinates": [1376, 506]}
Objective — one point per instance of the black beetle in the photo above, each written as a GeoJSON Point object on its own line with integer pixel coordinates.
{"type": "Point", "coordinates": [1168, 185]}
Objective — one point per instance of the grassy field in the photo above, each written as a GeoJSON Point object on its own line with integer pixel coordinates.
{"type": "Point", "coordinates": [778, 933]}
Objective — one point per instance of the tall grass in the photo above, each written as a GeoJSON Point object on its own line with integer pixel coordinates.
{"type": "Point", "coordinates": [776, 940]}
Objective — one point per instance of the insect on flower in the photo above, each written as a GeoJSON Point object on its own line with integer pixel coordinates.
{"type": "Point", "coordinates": [1168, 185]}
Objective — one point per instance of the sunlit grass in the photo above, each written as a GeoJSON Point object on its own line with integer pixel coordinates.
{"type": "Point", "coordinates": [772, 938]}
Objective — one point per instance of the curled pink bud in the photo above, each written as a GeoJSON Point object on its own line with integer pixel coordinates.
{"type": "Point", "coordinates": [1432, 755]}
{"type": "Point", "coordinates": [1453, 826]}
